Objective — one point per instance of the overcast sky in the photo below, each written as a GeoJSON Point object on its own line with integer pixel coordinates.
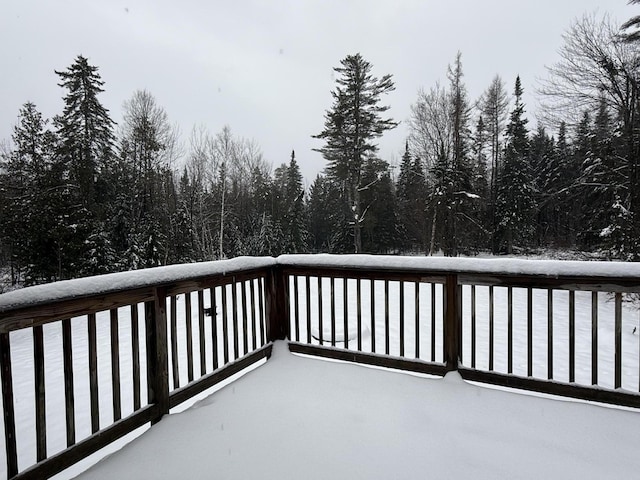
{"type": "Point", "coordinates": [265, 67]}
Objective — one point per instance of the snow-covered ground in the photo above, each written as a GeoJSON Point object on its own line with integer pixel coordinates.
{"type": "Point", "coordinates": [298, 417]}
{"type": "Point", "coordinates": [22, 343]}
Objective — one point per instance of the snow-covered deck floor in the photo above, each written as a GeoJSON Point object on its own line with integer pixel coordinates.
{"type": "Point", "coordinates": [299, 417]}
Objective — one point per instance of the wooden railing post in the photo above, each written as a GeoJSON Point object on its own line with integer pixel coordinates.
{"type": "Point", "coordinates": [277, 305]}
{"type": "Point", "coordinates": [7, 401]}
{"type": "Point", "coordinates": [157, 353]}
{"type": "Point", "coordinates": [452, 324]}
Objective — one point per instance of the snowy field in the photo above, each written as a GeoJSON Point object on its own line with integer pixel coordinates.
{"type": "Point", "coordinates": [22, 345]}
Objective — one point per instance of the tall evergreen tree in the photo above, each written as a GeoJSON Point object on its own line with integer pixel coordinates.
{"type": "Point", "coordinates": [516, 204]}
{"type": "Point", "coordinates": [351, 127]}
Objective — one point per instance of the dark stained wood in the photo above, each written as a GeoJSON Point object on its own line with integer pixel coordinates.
{"type": "Point", "coordinates": [386, 317]}
{"type": "Point", "coordinates": [296, 308]}
{"type": "Point", "coordinates": [225, 325]}
{"type": "Point", "coordinates": [82, 449]}
{"type": "Point", "coordinates": [8, 406]}
{"type": "Point", "coordinates": [333, 311]}
{"type": "Point", "coordinates": [214, 326]}
{"type": "Point", "coordinates": [594, 338]}
{"type": "Point", "coordinates": [175, 370]}
{"type": "Point", "coordinates": [135, 355]}
{"type": "Point", "coordinates": [245, 318]}
{"type": "Point", "coordinates": [41, 414]}
{"type": "Point", "coordinates": [452, 324]}
{"type": "Point", "coordinates": [234, 318]}
{"type": "Point", "coordinates": [529, 332]}
{"type": "Point", "coordinates": [261, 309]}
{"type": "Point", "coordinates": [320, 319]}
{"type": "Point", "coordinates": [67, 355]}
{"type": "Point", "coordinates": [417, 318]}
{"type": "Point", "coordinates": [254, 324]}
{"type": "Point", "coordinates": [572, 390]}
{"type": "Point", "coordinates": [550, 334]}
{"type": "Point", "coordinates": [211, 379]}
{"type": "Point", "coordinates": [157, 355]}
{"type": "Point", "coordinates": [602, 284]}
{"type": "Point", "coordinates": [345, 314]}
{"type": "Point", "coordinates": [115, 365]}
{"type": "Point", "coordinates": [491, 330]}
{"type": "Point", "coordinates": [307, 287]}
{"type": "Point", "coordinates": [189, 335]}
{"type": "Point", "coordinates": [572, 336]}
{"type": "Point", "coordinates": [201, 333]}
{"type": "Point", "coordinates": [618, 341]}
{"type": "Point", "coordinates": [433, 322]}
{"type": "Point", "coordinates": [402, 319]}
{"type": "Point", "coordinates": [373, 315]}
{"type": "Point", "coordinates": [93, 373]}
{"type": "Point", "coordinates": [510, 330]}
{"type": "Point", "coordinates": [473, 326]}
{"type": "Point", "coordinates": [376, 360]}
{"type": "Point", "coordinates": [366, 273]}
{"type": "Point", "coordinates": [359, 311]}
{"type": "Point", "coordinates": [277, 305]}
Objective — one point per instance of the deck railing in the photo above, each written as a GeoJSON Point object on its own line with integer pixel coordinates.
{"type": "Point", "coordinates": [119, 351]}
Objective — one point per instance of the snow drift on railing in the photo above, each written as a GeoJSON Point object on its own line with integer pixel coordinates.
{"type": "Point", "coordinates": [114, 282]}
{"type": "Point", "coordinates": [508, 266]}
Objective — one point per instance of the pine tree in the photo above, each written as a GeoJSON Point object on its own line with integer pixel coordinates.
{"type": "Point", "coordinates": [411, 195]}
{"type": "Point", "coordinates": [515, 203]}
{"type": "Point", "coordinates": [351, 126]}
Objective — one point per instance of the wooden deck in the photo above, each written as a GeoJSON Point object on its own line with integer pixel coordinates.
{"type": "Point", "coordinates": [298, 417]}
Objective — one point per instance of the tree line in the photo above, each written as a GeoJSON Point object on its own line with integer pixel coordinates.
{"type": "Point", "coordinates": [80, 195]}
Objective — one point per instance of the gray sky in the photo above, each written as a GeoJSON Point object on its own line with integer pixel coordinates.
{"type": "Point", "coordinates": [265, 67]}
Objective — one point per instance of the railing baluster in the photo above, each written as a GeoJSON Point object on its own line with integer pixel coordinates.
{"type": "Point", "coordinates": [417, 318]}
{"type": "Point", "coordinates": [254, 326]}
{"type": "Point", "coordinates": [550, 334]}
{"type": "Point", "coordinates": [225, 325]}
{"type": "Point", "coordinates": [473, 326]}
{"type": "Point", "coordinates": [67, 352]}
{"type": "Point", "coordinates": [174, 342]}
{"type": "Point", "coordinates": [491, 307]}
{"type": "Point", "coordinates": [345, 304]}
{"type": "Point", "coordinates": [93, 373]}
{"type": "Point", "coordinates": [433, 322]}
{"type": "Point", "coordinates": [135, 356]}
{"type": "Point", "coordinates": [402, 319]}
{"type": "Point", "coordinates": [201, 333]}
{"type": "Point", "coordinates": [307, 287]}
{"type": "Point", "coordinates": [245, 318]}
{"type": "Point", "coordinates": [359, 311]}
{"type": "Point", "coordinates": [373, 315]}
{"type": "Point", "coordinates": [594, 338]}
{"type": "Point", "coordinates": [214, 326]}
{"type": "Point", "coordinates": [509, 330]}
{"type": "Point", "coordinates": [263, 338]}
{"type": "Point", "coordinates": [618, 340]}
{"type": "Point", "coordinates": [8, 406]}
{"type": "Point", "coordinates": [115, 364]}
{"type": "Point", "coordinates": [234, 310]}
{"type": "Point", "coordinates": [530, 332]}
{"type": "Point", "coordinates": [296, 308]}
{"type": "Point", "coordinates": [320, 326]}
{"type": "Point", "coordinates": [386, 317]}
{"type": "Point", "coordinates": [41, 418]}
{"type": "Point", "coordinates": [333, 312]}
{"type": "Point", "coordinates": [572, 336]}
{"type": "Point", "coordinates": [189, 334]}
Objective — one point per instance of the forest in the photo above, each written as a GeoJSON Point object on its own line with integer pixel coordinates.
{"type": "Point", "coordinates": [81, 195]}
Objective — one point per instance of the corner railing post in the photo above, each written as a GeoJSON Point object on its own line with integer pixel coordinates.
{"type": "Point", "coordinates": [277, 302]}
{"type": "Point", "coordinates": [157, 353]}
{"type": "Point", "coordinates": [452, 326]}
